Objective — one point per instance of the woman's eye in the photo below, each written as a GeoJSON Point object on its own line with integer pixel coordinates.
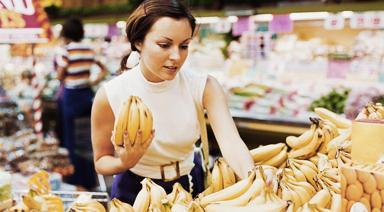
{"type": "Point", "coordinates": [164, 46]}
{"type": "Point", "coordinates": [184, 47]}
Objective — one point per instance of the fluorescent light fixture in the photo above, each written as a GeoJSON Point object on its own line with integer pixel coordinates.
{"type": "Point", "coordinates": [207, 20]}
{"type": "Point", "coordinates": [121, 24]}
{"type": "Point", "coordinates": [308, 16]}
{"type": "Point", "coordinates": [347, 14]}
{"type": "Point", "coordinates": [262, 18]}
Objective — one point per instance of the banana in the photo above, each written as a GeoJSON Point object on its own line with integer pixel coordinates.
{"type": "Point", "coordinates": [299, 175]}
{"type": "Point", "coordinates": [52, 203]}
{"type": "Point", "coordinates": [310, 149]}
{"type": "Point", "coordinates": [119, 206]}
{"type": "Point", "coordinates": [321, 198]}
{"type": "Point", "coordinates": [143, 198]}
{"type": "Point", "coordinates": [217, 178]}
{"type": "Point", "coordinates": [120, 122]}
{"type": "Point", "coordinates": [179, 194]}
{"type": "Point", "coordinates": [339, 121]}
{"type": "Point", "coordinates": [309, 174]}
{"type": "Point", "coordinates": [336, 142]}
{"type": "Point", "coordinates": [206, 192]}
{"type": "Point", "coordinates": [306, 163]}
{"type": "Point", "coordinates": [336, 202]}
{"type": "Point", "coordinates": [39, 183]}
{"type": "Point", "coordinates": [266, 152]}
{"type": "Point", "coordinates": [328, 136]}
{"type": "Point", "coordinates": [31, 203]}
{"type": "Point", "coordinates": [146, 120]}
{"type": "Point", "coordinates": [133, 120]}
{"type": "Point", "coordinates": [302, 140]}
{"type": "Point", "coordinates": [157, 195]}
{"type": "Point", "coordinates": [278, 159]}
{"type": "Point", "coordinates": [254, 190]}
{"type": "Point", "coordinates": [229, 177]}
{"type": "Point", "coordinates": [88, 205]}
{"type": "Point", "coordinates": [230, 192]}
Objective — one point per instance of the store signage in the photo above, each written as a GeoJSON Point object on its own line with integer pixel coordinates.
{"type": "Point", "coordinates": [357, 21]}
{"type": "Point", "coordinates": [334, 22]}
{"type": "Point", "coordinates": [242, 25]}
{"type": "Point", "coordinates": [23, 21]}
{"type": "Point", "coordinates": [367, 20]}
{"type": "Point", "coordinates": [280, 24]}
{"type": "Point", "coordinates": [374, 20]}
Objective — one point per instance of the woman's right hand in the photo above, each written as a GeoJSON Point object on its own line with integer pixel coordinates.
{"type": "Point", "coordinates": [130, 154]}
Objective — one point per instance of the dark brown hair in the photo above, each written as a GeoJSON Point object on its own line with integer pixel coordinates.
{"type": "Point", "coordinates": [146, 14]}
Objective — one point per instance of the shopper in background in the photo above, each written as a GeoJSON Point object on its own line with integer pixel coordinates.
{"type": "Point", "coordinates": [160, 31]}
{"type": "Point", "coordinates": [75, 74]}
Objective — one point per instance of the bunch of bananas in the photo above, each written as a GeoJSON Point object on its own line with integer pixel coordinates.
{"type": "Point", "coordinates": [134, 115]}
{"type": "Point", "coordinates": [371, 112]}
{"type": "Point", "coordinates": [254, 193]}
{"type": "Point", "coordinates": [223, 176]}
{"type": "Point", "coordinates": [298, 192]}
{"type": "Point", "coordinates": [39, 183]}
{"type": "Point", "coordinates": [322, 201]}
{"type": "Point", "coordinates": [150, 197]}
{"type": "Point", "coordinates": [303, 170]}
{"type": "Point", "coordinates": [272, 155]}
{"type": "Point", "coordinates": [86, 204]}
{"type": "Point", "coordinates": [119, 206]}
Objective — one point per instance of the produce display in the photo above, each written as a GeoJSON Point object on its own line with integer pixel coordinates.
{"type": "Point", "coordinates": [333, 101]}
{"type": "Point", "coordinates": [261, 99]}
{"type": "Point", "coordinates": [302, 174]}
{"type": "Point", "coordinates": [25, 152]}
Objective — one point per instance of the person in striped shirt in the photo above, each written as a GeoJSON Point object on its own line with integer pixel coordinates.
{"type": "Point", "coordinates": [74, 72]}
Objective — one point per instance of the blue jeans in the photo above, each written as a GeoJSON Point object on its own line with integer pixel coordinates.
{"type": "Point", "coordinates": [77, 103]}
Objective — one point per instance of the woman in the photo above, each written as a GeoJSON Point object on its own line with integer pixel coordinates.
{"type": "Point", "coordinates": [161, 31]}
{"type": "Point", "coordinates": [74, 72]}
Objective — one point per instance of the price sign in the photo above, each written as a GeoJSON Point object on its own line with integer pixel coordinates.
{"type": "Point", "coordinates": [334, 22]}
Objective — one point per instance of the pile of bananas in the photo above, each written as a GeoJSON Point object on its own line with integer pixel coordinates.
{"type": "Point", "coordinates": [39, 197]}
{"type": "Point", "coordinates": [371, 112]}
{"type": "Point", "coordinates": [134, 115]}
{"type": "Point", "coordinates": [254, 193]}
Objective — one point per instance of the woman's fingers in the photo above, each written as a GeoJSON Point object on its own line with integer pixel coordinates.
{"type": "Point", "coordinates": [127, 143]}
{"type": "Point", "coordinates": [149, 140]}
{"type": "Point", "coordinates": [139, 136]}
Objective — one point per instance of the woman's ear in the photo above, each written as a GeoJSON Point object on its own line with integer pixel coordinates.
{"type": "Point", "coordinates": [139, 46]}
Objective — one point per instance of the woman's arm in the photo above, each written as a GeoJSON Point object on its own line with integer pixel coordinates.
{"type": "Point", "coordinates": [102, 121]}
{"type": "Point", "coordinates": [233, 148]}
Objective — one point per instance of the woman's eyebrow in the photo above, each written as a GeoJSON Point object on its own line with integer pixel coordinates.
{"type": "Point", "coordinates": [169, 39]}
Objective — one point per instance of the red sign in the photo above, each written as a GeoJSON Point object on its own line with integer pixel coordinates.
{"type": "Point", "coordinates": [23, 21]}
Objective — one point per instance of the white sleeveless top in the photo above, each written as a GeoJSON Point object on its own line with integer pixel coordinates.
{"type": "Point", "coordinates": [174, 117]}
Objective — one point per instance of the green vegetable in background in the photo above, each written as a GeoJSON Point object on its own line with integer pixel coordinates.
{"type": "Point", "coordinates": [334, 101]}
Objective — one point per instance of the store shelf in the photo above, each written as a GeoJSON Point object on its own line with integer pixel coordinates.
{"type": "Point", "coordinates": [252, 121]}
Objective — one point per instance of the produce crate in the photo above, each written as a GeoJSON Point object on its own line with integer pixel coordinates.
{"type": "Point", "coordinates": [362, 184]}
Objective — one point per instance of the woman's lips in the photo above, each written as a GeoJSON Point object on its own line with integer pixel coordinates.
{"type": "Point", "coordinates": [171, 68]}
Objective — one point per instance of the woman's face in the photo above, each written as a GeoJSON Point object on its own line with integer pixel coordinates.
{"type": "Point", "coordinates": [165, 48]}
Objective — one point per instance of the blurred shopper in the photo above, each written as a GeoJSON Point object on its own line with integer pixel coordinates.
{"type": "Point", "coordinates": [74, 72]}
{"type": "Point", "coordinates": [159, 32]}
